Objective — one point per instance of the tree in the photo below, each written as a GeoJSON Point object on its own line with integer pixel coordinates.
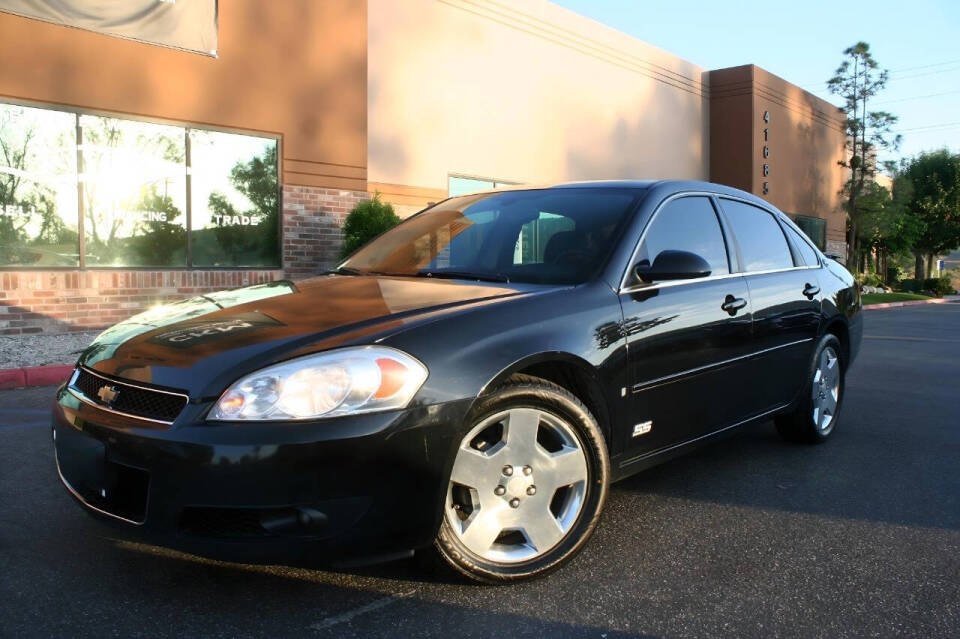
{"type": "Point", "coordinates": [103, 136]}
{"type": "Point", "coordinates": [367, 220]}
{"type": "Point", "coordinates": [857, 80]}
{"type": "Point", "coordinates": [257, 180]}
{"type": "Point", "coordinates": [28, 209]}
{"type": "Point", "coordinates": [888, 227]}
{"type": "Point", "coordinates": [935, 201]}
{"type": "Point", "coordinates": [156, 242]}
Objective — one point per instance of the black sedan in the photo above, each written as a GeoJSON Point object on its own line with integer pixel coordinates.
{"type": "Point", "coordinates": [471, 380]}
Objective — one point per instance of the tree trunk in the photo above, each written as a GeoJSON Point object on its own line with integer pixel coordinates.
{"type": "Point", "coordinates": [853, 254]}
{"type": "Point", "coordinates": [918, 266]}
{"type": "Point", "coordinates": [930, 257]}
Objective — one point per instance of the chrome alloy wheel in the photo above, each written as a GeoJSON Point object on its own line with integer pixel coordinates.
{"type": "Point", "coordinates": [826, 390]}
{"type": "Point", "coordinates": [517, 486]}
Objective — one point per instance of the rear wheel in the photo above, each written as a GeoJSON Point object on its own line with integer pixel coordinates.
{"type": "Point", "coordinates": [818, 408]}
{"type": "Point", "coordinates": [527, 485]}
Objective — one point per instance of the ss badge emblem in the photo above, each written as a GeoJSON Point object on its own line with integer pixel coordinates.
{"type": "Point", "coordinates": [643, 428]}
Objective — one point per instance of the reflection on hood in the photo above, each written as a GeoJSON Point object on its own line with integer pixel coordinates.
{"type": "Point", "coordinates": [106, 342]}
{"type": "Point", "coordinates": [206, 340]}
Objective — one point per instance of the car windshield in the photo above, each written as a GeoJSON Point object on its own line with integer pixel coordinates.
{"type": "Point", "coordinates": [546, 236]}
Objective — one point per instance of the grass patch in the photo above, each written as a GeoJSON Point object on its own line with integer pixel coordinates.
{"type": "Point", "coordinates": [880, 298]}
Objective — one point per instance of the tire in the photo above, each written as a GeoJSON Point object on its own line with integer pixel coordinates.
{"type": "Point", "coordinates": [818, 408]}
{"type": "Point", "coordinates": [499, 525]}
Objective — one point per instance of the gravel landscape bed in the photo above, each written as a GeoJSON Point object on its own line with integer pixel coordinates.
{"type": "Point", "coordinates": [19, 351]}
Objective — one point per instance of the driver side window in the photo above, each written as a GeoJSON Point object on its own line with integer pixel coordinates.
{"type": "Point", "coordinates": [687, 224]}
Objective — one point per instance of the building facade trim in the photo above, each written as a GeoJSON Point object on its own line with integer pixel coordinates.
{"type": "Point", "coordinates": [515, 18]}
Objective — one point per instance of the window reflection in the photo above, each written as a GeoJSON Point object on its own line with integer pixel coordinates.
{"type": "Point", "coordinates": [38, 188]}
{"type": "Point", "coordinates": [234, 199]}
{"type": "Point", "coordinates": [687, 224]}
{"type": "Point", "coordinates": [134, 193]}
{"type": "Point", "coordinates": [814, 227]}
{"type": "Point", "coordinates": [536, 235]}
{"type": "Point", "coordinates": [123, 185]}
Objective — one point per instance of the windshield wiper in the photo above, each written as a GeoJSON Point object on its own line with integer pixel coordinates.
{"type": "Point", "coordinates": [465, 275]}
{"type": "Point", "coordinates": [346, 270]}
{"type": "Point", "coordinates": [449, 275]}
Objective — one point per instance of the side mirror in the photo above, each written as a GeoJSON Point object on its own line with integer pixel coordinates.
{"type": "Point", "coordinates": [673, 265]}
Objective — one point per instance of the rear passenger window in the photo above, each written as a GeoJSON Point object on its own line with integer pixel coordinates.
{"type": "Point", "coordinates": [687, 224]}
{"type": "Point", "coordinates": [762, 244]}
{"type": "Point", "coordinates": [807, 254]}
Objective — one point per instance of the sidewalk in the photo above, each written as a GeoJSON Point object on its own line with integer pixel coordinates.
{"type": "Point", "coordinates": [946, 299]}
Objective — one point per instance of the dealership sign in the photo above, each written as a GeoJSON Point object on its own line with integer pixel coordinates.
{"type": "Point", "coordinates": [181, 24]}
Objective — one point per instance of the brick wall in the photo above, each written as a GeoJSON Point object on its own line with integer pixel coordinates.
{"type": "Point", "coordinates": [62, 301]}
{"type": "Point", "coordinates": [35, 302]}
{"type": "Point", "coordinates": [312, 222]}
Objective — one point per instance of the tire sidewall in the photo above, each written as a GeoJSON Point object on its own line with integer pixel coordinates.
{"type": "Point", "coordinates": [547, 397]}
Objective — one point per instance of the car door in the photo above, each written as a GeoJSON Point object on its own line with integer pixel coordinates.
{"type": "Point", "coordinates": [785, 297]}
{"type": "Point", "coordinates": [685, 338]}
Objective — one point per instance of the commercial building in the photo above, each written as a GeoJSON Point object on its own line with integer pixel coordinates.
{"type": "Point", "coordinates": [144, 163]}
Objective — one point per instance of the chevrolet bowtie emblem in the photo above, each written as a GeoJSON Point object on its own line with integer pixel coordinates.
{"type": "Point", "coordinates": [107, 394]}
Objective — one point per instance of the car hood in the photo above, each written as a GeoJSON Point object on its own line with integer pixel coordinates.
{"type": "Point", "coordinates": [204, 343]}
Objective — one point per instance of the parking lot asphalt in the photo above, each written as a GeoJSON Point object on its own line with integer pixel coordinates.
{"type": "Point", "coordinates": [748, 536]}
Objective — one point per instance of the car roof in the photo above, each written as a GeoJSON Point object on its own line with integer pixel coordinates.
{"type": "Point", "coordinates": [664, 187]}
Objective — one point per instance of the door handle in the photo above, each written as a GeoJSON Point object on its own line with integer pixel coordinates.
{"type": "Point", "coordinates": [810, 291]}
{"type": "Point", "coordinates": [733, 304]}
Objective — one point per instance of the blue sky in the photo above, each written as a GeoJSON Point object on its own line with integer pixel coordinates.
{"type": "Point", "coordinates": [918, 41]}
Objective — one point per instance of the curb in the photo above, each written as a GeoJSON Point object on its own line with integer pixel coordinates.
{"type": "Point", "coordinates": [33, 376]}
{"type": "Point", "coordinates": [938, 300]}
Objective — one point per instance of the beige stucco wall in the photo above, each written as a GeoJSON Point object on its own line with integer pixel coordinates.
{"type": "Point", "coordinates": [523, 91]}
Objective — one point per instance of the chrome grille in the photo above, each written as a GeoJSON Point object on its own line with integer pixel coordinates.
{"type": "Point", "coordinates": [122, 397]}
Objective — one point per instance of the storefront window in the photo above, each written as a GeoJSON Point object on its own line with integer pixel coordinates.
{"type": "Point", "coordinates": [814, 227]}
{"type": "Point", "coordinates": [119, 188]}
{"type": "Point", "coordinates": [235, 202]}
{"type": "Point", "coordinates": [38, 188]}
{"type": "Point", "coordinates": [134, 193]}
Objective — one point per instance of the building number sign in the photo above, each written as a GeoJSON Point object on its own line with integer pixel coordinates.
{"type": "Point", "coordinates": [766, 151]}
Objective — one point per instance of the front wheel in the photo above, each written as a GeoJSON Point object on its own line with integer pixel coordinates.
{"type": "Point", "coordinates": [818, 408]}
{"type": "Point", "coordinates": [527, 486]}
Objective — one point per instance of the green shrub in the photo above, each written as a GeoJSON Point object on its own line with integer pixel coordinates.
{"type": "Point", "coordinates": [894, 273]}
{"type": "Point", "coordinates": [954, 275]}
{"type": "Point", "coordinates": [939, 286]}
{"type": "Point", "coordinates": [910, 285]}
{"type": "Point", "coordinates": [867, 279]}
{"type": "Point", "coordinates": [367, 220]}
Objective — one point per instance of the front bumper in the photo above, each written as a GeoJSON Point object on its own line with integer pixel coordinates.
{"type": "Point", "coordinates": [338, 490]}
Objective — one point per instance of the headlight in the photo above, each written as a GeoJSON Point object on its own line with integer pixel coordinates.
{"type": "Point", "coordinates": [346, 381]}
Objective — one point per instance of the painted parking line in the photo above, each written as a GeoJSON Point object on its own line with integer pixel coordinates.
{"type": "Point", "coordinates": [377, 604]}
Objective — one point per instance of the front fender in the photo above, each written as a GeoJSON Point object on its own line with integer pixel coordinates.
{"type": "Point", "coordinates": [469, 354]}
